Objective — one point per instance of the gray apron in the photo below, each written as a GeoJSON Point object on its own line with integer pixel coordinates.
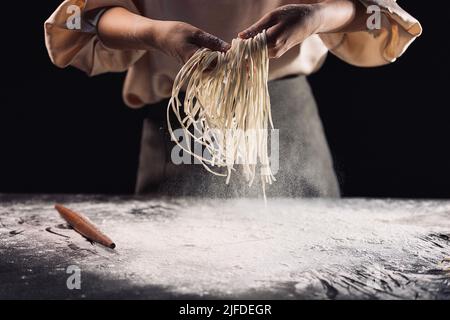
{"type": "Point", "coordinates": [305, 163]}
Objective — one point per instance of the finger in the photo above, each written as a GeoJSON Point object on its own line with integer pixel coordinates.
{"type": "Point", "coordinates": [206, 40]}
{"type": "Point", "coordinates": [273, 34]}
{"type": "Point", "coordinates": [276, 41]}
{"type": "Point", "coordinates": [211, 66]}
{"type": "Point", "coordinates": [263, 24]}
{"type": "Point", "coordinates": [188, 53]}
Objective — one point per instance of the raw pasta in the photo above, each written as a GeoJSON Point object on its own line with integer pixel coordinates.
{"type": "Point", "coordinates": [226, 109]}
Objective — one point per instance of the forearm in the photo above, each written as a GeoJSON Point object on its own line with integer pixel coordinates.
{"type": "Point", "coordinates": [342, 16]}
{"type": "Point", "coordinates": [119, 28]}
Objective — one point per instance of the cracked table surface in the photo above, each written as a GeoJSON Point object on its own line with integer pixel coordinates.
{"type": "Point", "coordinates": [234, 249]}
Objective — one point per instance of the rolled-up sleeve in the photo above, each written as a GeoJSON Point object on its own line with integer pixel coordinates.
{"type": "Point", "coordinates": [379, 46]}
{"type": "Point", "coordinates": [73, 41]}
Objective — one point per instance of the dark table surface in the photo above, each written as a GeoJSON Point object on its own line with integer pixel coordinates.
{"type": "Point", "coordinates": [197, 248]}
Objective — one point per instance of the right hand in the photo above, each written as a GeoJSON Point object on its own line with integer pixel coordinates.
{"type": "Point", "coordinates": [181, 40]}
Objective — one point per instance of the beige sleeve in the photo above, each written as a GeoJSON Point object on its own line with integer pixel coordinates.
{"type": "Point", "coordinates": [70, 41]}
{"type": "Point", "coordinates": [378, 46]}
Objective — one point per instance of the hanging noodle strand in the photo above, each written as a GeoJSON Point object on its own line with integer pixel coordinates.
{"type": "Point", "coordinates": [226, 109]}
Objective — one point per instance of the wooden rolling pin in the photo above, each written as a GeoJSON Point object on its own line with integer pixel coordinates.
{"type": "Point", "coordinates": [83, 226]}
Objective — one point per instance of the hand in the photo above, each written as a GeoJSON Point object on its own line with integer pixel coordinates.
{"type": "Point", "coordinates": [286, 27]}
{"type": "Point", "coordinates": [182, 40]}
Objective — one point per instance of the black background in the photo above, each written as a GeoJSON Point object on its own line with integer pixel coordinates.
{"type": "Point", "coordinates": [63, 132]}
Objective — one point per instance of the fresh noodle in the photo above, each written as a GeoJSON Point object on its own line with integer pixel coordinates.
{"type": "Point", "coordinates": [226, 109]}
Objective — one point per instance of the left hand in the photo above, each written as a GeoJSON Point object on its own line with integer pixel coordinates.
{"type": "Point", "coordinates": [286, 27]}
